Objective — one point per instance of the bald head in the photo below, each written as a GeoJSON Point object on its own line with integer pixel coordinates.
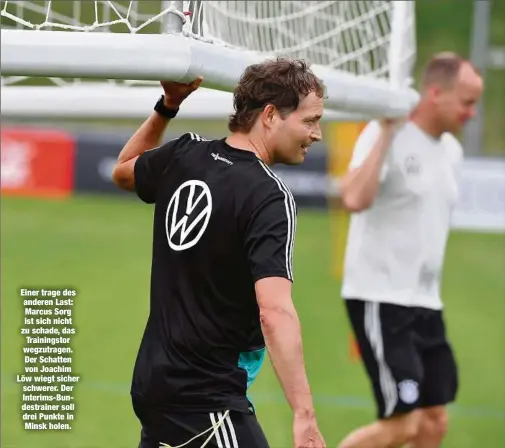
{"type": "Point", "coordinates": [445, 69]}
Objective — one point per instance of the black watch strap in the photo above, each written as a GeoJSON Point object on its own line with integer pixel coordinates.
{"type": "Point", "coordinates": [165, 111]}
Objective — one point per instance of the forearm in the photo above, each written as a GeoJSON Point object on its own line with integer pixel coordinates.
{"type": "Point", "coordinates": [282, 333]}
{"type": "Point", "coordinates": [359, 187]}
{"type": "Point", "coordinates": [148, 136]}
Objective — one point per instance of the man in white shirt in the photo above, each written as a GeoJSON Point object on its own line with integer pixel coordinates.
{"type": "Point", "coordinates": [401, 188]}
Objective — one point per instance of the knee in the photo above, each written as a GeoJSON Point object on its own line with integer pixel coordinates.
{"type": "Point", "coordinates": [403, 429]}
{"type": "Point", "coordinates": [410, 428]}
{"type": "Point", "coordinates": [434, 421]}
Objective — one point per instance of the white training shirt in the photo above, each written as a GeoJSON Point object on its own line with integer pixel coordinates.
{"type": "Point", "coordinates": [395, 249]}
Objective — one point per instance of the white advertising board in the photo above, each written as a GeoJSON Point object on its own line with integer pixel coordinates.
{"type": "Point", "coordinates": [481, 205]}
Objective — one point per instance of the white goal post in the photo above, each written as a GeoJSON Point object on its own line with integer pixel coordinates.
{"type": "Point", "coordinates": [88, 53]}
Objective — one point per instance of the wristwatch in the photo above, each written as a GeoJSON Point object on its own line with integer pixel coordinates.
{"type": "Point", "coordinates": [163, 110]}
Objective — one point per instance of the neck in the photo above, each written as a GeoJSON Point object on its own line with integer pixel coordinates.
{"type": "Point", "coordinates": [251, 142]}
{"type": "Point", "coordinates": [426, 121]}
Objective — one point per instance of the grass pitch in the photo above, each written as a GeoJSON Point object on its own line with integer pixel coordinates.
{"type": "Point", "coordinates": [101, 246]}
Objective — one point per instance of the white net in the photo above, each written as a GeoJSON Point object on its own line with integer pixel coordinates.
{"type": "Point", "coordinates": [144, 16]}
{"type": "Point", "coordinates": [352, 36]}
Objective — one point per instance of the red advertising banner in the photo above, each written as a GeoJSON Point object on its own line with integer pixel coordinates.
{"type": "Point", "coordinates": [36, 162]}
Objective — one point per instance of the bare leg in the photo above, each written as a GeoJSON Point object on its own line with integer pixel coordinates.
{"type": "Point", "coordinates": [389, 433]}
{"type": "Point", "coordinates": [432, 428]}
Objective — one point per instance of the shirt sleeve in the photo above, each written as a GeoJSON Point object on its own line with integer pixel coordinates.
{"type": "Point", "coordinates": [270, 237]}
{"type": "Point", "coordinates": [150, 167]}
{"type": "Point", "coordinates": [364, 144]}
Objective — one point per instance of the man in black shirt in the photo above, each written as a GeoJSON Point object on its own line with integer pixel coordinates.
{"type": "Point", "coordinates": [222, 262]}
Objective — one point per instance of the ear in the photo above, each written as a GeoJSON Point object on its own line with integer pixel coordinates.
{"type": "Point", "coordinates": [269, 115]}
{"type": "Point", "coordinates": [434, 91]}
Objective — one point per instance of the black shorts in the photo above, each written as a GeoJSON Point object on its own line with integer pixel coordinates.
{"type": "Point", "coordinates": [235, 429]}
{"type": "Point", "coordinates": [406, 355]}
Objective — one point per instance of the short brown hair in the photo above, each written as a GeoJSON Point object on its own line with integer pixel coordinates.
{"type": "Point", "coordinates": [443, 68]}
{"type": "Point", "coordinates": [280, 82]}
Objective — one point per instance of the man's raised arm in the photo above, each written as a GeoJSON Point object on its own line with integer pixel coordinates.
{"type": "Point", "coordinates": [150, 133]}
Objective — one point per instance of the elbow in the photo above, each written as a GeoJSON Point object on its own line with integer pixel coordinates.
{"type": "Point", "coordinates": [117, 176]}
{"type": "Point", "coordinates": [354, 203]}
{"type": "Point", "coordinates": [267, 319]}
{"type": "Point", "coordinates": [353, 197]}
{"type": "Point", "coordinates": [121, 178]}
{"type": "Point", "coordinates": [273, 317]}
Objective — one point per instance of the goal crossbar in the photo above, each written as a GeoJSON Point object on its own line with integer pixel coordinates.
{"type": "Point", "coordinates": [172, 56]}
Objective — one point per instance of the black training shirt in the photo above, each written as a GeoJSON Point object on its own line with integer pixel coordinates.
{"type": "Point", "coordinates": [222, 221]}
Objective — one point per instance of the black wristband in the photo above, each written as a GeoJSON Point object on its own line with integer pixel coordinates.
{"type": "Point", "coordinates": [165, 111]}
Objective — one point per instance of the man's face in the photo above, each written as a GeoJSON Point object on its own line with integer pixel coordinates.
{"type": "Point", "coordinates": [289, 138]}
{"type": "Point", "coordinates": [455, 105]}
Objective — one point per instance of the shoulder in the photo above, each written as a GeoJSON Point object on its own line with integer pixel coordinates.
{"type": "Point", "coordinates": [371, 132]}
{"type": "Point", "coordinates": [373, 128]}
{"type": "Point", "coordinates": [271, 183]}
{"type": "Point", "coordinates": [262, 189]}
{"type": "Point", "coordinates": [409, 138]}
{"type": "Point", "coordinates": [184, 145]}
{"type": "Point", "coordinates": [188, 138]}
{"type": "Point", "coordinates": [406, 131]}
{"type": "Point", "coordinates": [184, 140]}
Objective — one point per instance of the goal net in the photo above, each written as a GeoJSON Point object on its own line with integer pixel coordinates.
{"type": "Point", "coordinates": [97, 54]}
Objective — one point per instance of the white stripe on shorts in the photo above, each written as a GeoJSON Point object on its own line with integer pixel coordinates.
{"type": "Point", "coordinates": [225, 437]}
{"type": "Point", "coordinates": [232, 431]}
{"type": "Point", "coordinates": [216, 430]}
{"type": "Point", "coordinates": [374, 334]}
{"type": "Point", "coordinates": [223, 430]}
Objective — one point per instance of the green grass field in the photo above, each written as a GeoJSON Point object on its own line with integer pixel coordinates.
{"type": "Point", "coordinates": [101, 246]}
